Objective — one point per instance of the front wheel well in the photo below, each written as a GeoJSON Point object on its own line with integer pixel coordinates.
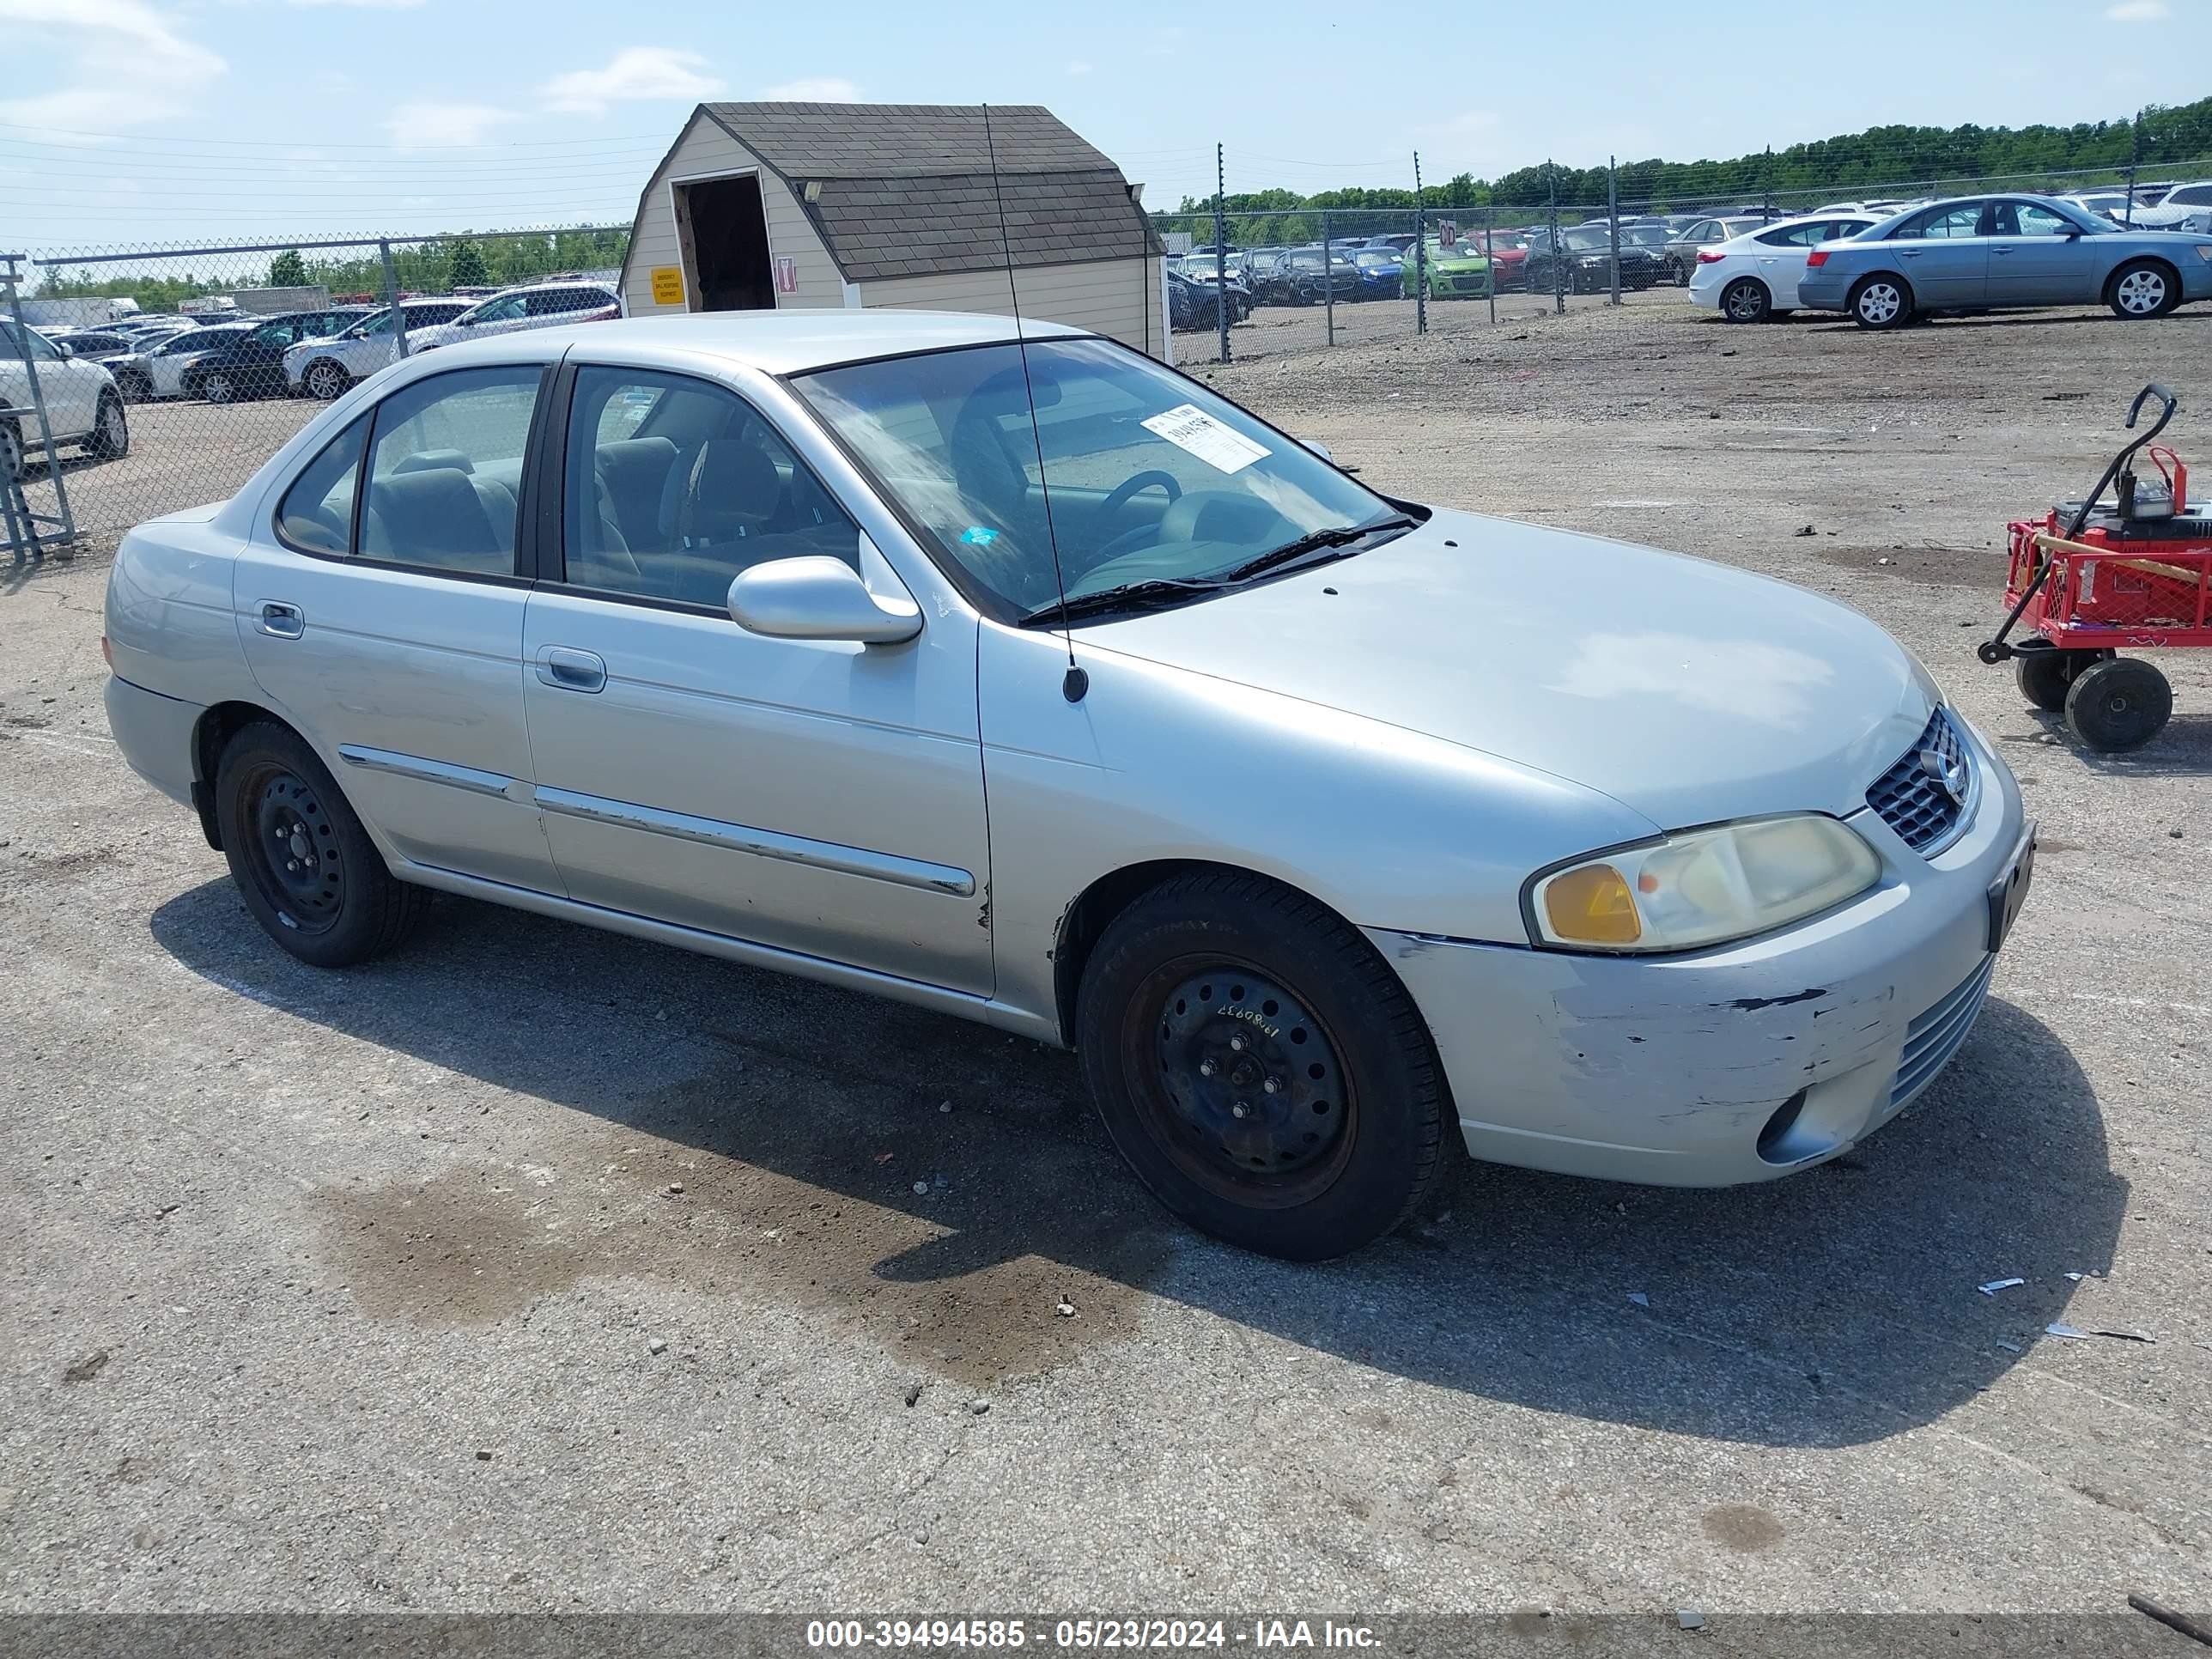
{"type": "Point", "coordinates": [214, 730]}
{"type": "Point", "coordinates": [1085, 922]}
{"type": "Point", "coordinates": [2172, 273]}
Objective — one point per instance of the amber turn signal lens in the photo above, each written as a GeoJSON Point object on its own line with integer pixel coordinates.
{"type": "Point", "coordinates": [1592, 906]}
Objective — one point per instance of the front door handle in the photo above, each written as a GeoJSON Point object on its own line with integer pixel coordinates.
{"type": "Point", "coordinates": [282, 621]}
{"type": "Point", "coordinates": [1999, 250]}
{"type": "Point", "coordinates": [568, 669]}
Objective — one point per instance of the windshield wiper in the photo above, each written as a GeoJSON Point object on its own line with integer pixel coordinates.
{"type": "Point", "coordinates": [1128, 596]}
{"type": "Point", "coordinates": [1315, 541]}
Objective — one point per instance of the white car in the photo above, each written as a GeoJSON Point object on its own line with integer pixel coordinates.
{"type": "Point", "coordinates": [158, 371]}
{"type": "Point", "coordinates": [325, 368]}
{"type": "Point", "coordinates": [1753, 277]}
{"type": "Point", "coordinates": [542, 305]}
{"type": "Point", "coordinates": [83, 405]}
{"type": "Point", "coordinates": [2185, 207]}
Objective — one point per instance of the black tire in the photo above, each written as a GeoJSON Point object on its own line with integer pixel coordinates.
{"type": "Point", "coordinates": [332, 902]}
{"type": "Point", "coordinates": [1882, 301]}
{"type": "Point", "coordinates": [2045, 674]}
{"type": "Point", "coordinates": [220, 386]}
{"type": "Point", "coordinates": [2143, 288]}
{"type": "Point", "coordinates": [1747, 301]}
{"type": "Point", "coordinates": [326, 380]}
{"type": "Point", "coordinates": [111, 431]}
{"type": "Point", "coordinates": [134, 388]}
{"type": "Point", "coordinates": [1326, 1033]}
{"type": "Point", "coordinates": [2118, 705]}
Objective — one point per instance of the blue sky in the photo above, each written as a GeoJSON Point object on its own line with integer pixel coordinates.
{"type": "Point", "coordinates": [160, 121]}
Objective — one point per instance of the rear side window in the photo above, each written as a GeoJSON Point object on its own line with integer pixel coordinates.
{"type": "Point", "coordinates": [1939, 224]}
{"type": "Point", "coordinates": [316, 514]}
{"type": "Point", "coordinates": [445, 474]}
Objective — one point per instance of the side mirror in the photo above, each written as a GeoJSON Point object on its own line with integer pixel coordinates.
{"type": "Point", "coordinates": [1318, 448]}
{"type": "Point", "coordinates": [818, 597]}
{"type": "Point", "coordinates": [63, 349]}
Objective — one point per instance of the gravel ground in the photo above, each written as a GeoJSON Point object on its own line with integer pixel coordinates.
{"type": "Point", "coordinates": [536, 1268]}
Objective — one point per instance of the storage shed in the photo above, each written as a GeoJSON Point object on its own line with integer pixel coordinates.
{"type": "Point", "coordinates": [758, 206]}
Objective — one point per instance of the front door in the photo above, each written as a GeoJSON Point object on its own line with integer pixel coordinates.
{"type": "Point", "coordinates": [391, 635]}
{"type": "Point", "coordinates": [1944, 256]}
{"type": "Point", "coordinates": [2038, 257]}
{"type": "Point", "coordinates": [817, 796]}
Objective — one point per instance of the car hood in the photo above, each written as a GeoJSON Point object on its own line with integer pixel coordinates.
{"type": "Point", "coordinates": [1689, 691]}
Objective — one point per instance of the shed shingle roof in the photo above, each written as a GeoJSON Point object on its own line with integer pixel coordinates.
{"type": "Point", "coordinates": [906, 190]}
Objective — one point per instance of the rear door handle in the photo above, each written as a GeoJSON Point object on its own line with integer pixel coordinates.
{"type": "Point", "coordinates": [282, 621]}
{"type": "Point", "coordinates": [568, 669]}
{"type": "Point", "coordinates": [1909, 253]}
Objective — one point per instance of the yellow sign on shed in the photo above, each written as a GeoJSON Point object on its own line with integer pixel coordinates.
{"type": "Point", "coordinates": [667, 285]}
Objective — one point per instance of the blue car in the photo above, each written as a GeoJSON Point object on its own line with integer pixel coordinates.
{"type": "Point", "coordinates": [1381, 273]}
{"type": "Point", "coordinates": [1983, 252]}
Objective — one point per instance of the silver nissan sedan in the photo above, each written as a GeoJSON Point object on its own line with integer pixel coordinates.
{"type": "Point", "coordinates": [1037, 683]}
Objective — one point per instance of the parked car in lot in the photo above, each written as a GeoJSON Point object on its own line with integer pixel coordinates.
{"type": "Point", "coordinates": [1197, 305]}
{"type": "Point", "coordinates": [1455, 270]}
{"type": "Point", "coordinates": [95, 345]}
{"type": "Point", "coordinates": [1584, 261]}
{"type": "Point", "coordinates": [1379, 273]}
{"type": "Point", "coordinates": [1679, 255]}
{"type": "Point", "coordinates": [541, 305]}
{"type": "Point", "coordinates": [1980, 253]}
{"type": "Point", "coordinates": [157, 370]}
{"type": "Point", "coordinates": [82, 406]}
{"type": "Point", "coordinates": [2185, 207]}
{"type": "Point", "coordinates": [250, 363]}
{"type": "Point", "coordinates": [1301, 280]}
{"type": "Point", "coordinates": [325, 368]}
{"type": "Point", "coordinates": [1754, 276]}
{"type": "Point", "coordinates": [755, 577]}
{"type": "Point", "coordinates": [2111, 204]}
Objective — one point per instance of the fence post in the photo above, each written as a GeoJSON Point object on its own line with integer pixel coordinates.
{"type": "Point", "coordinates": [1558, 253]}
{"type": "Point", "coordinates": [1613, 214]}
{"type": "Point", "coordinates": [1220, 256]}
{"type": "Point", "coordinates": [392, 299]}
{"type": "Point", "coordinates": [1490, 253]}
{"type": "Point", "coordinates": [1420, 254]}
{"type": "Point", "coordinates": [1328, 280]}
{"type": "Point", "coordinates": [2135, 162]}
{"type": "Point", "coordinates": [68, 538]}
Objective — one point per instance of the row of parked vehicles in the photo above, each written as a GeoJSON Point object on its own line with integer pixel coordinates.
{"type": "Point", "coordinates": [87, 375]}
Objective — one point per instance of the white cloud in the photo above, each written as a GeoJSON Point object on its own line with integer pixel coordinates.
{"type": "Point", "coordinates": [1079, 67]}
{"type": "Point", "coordinates": [814, 89]}
{"type": "Point", "coordinates": [128, 63]}
{"type": "Point", "coordinates": [634, 73]}
{"type": "Point", "coordinates": [446, 125]}
{"type": "Point", "coordinates": [2138, 11]}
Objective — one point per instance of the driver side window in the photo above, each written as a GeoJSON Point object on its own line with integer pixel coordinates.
{"type": "Point", "coordinates": [673, 486]}
{"type": "Point", "coordinates": [2035, 221]}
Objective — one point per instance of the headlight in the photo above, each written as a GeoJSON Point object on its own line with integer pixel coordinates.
{"type": "Point", "coordinates": [1702, 886]}
{"type": "Point", "coordinates": [2204, 252]}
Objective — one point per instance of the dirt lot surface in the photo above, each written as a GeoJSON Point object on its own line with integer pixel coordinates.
{"type": "Point", "coordinates": [537, 1268]}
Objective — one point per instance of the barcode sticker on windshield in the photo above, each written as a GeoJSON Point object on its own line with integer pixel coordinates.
{"type": "Point", "coordinates": [1189, 427]}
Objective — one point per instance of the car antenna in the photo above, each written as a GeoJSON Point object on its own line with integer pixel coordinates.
{"type": "Point", "coordinates": [1075, 681]}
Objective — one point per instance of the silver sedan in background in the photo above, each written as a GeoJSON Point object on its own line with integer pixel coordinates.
{"type": "Point", "coordinates": [1985, 252]}
{"type": "Point", "coordinates": [1035, 684]}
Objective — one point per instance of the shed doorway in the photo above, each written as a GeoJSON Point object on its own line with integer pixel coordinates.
{"type": "Point", "coordinates": [722, 225]}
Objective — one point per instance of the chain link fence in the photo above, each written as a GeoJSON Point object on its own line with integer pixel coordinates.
{"type": "Point", "coordinates": [136, 381]}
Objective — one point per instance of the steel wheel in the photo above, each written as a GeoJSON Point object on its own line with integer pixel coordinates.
{"type": "Point", "coordinates": [2141, 291]}
{"type": "Point", "coordinates": [325, 379]}
{"type": "Point", "coordinates": [1251, 1101]}
{"type": "Point", "coordinates": [293, 854]}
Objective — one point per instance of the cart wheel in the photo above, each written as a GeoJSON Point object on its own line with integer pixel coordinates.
{"type": "Point", "coordinates": [2045, 672]}
{"type": "Point", "coordinates": [2118, 704]}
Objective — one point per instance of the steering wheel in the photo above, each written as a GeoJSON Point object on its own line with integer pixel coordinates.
{"type": "Point", "coordinates": [1121, 495]}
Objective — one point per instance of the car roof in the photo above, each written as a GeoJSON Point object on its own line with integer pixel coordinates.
{"type": "Point", "coordinates": [773, 342]}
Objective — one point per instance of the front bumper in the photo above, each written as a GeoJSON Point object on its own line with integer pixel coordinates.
{"type": "Point", "coordinates": [1718, 1067]}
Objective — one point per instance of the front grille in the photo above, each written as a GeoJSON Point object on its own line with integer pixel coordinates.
{"type": "Point", "coordinates": [1932, 1039]}
{"type": "Point", "coordinates": [1914, 801]}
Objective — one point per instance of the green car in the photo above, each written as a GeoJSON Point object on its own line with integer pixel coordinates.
{"type": "Point", "coordinates": [1456, 270]}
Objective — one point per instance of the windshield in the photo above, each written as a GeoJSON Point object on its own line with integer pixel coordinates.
{"type": "Point", "coordinates": [1588, 241]}
{"type": "Point", "coordinates": [1643, 235]}
{"type": "Point", "coordinates": [1152, 476]}
{"type": "Point", "coordinates": [1375, 257]}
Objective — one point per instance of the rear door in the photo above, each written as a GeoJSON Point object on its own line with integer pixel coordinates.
{"type": "Point", "coordinates": [2038, 257]}
{"type": "Point", "coordinates": [385, 620]}
{"type": "Point", "coordinates": [1944, 255]}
